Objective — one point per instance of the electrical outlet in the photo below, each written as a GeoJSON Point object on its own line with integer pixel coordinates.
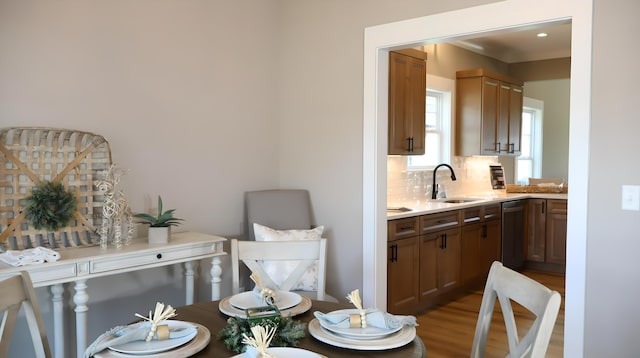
{"type": "Point", "coordinates": [631, 197]}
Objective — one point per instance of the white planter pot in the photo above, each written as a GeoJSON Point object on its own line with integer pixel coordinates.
{"type": "Point", "coordinates": [159, 235]}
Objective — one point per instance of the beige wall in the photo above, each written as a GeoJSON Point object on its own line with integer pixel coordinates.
{"type": "Point", "coordinates": [202, 101]}
{"type": "Point", "coordinates": [613, 269]}
{"type": "Point", "coordinates": [198, 74]}
{"type": "Point", "coordinates": [320, 113]}
{"type": "Point", "coordinates": [541, 70]}
{"type": "Point", "coordinates": [446, 59]}
{"type": "Point", "coordinates": [555, 127]}
{"type": "Point", "coordinates": [184, 93]}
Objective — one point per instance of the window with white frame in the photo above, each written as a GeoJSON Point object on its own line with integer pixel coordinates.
{"type": "Point", "coordinates": [529, 163]}
{"type": "Point", "coordinates": [438, 125]}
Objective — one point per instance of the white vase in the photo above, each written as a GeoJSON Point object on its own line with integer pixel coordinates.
{"type": "Point", "coordinates": [159, 235]}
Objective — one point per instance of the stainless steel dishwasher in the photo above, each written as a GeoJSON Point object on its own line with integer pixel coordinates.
{"type": "Point", "coordinates": [513, 234]}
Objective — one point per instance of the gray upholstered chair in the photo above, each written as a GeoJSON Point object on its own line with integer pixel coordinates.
{"type": "Point", "coordinates": [283, 209]}
{"type": "Point", "coordinates": [280, 209]}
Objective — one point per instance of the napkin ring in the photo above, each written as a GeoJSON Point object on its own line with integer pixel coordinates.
{"type": "Point", "coordinates": [163, 332]}
{"type": "Point", "coordinates": [355, 321]}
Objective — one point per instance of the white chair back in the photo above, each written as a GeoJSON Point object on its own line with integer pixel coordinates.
{"type": "Point", "coordinates": [251, 253]}
{"type": "Point", "coordinates": [17, 291]}
{"type": "Point", "coordinates": [507, 285]}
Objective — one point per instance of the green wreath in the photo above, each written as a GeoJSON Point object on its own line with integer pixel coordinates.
{"type": "Point", "coordinates": [288, 333]}
{"type": "Point", "coordinates": [50, 206]}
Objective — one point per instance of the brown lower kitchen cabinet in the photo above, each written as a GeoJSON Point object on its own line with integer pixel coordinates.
{"type": "Point", "coordinates": [439, 264]}
{"type": "Point", "coordinates": [547, 234]}
{"type": "Point", "coordinates": [480, 243]}
{"type": "Point", "coordinates": [403, 265]}
{"type": "Point", "coordinates": [556, 232]}
{"type": "Point", "coordinates": [423, 263]}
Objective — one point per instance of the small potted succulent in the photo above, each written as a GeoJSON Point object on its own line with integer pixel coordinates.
{"type": "Point", "coordinates": [160, 225]}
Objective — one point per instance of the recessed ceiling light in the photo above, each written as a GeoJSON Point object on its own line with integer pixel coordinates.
{"type": "Point", "coordinates": [542, 34]}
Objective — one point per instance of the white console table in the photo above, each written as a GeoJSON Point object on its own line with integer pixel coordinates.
{"type": "Point", "coordinates": [80, 264]}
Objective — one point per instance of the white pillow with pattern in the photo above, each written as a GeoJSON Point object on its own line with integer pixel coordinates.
{"type": "Point", "coordinates": [279, 270]}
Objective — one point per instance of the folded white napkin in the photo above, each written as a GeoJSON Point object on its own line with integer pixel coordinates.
{"type": "Point", "coordinates": [33, 256]}
{"type": "Point", "coordinates": [125, 334]}
{"type": "Point", "coordinates": [375, 318]}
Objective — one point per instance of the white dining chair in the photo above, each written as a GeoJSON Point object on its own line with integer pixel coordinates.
{"type": "Point", "coordinates": [507, 285]}
{"type": "Point", "coordinates": [304, 252]}
{"type": "Point", "coordinates": [17, 291]}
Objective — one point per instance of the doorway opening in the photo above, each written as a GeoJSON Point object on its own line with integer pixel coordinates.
{"type": "Point", "coordinates": [454, 25]}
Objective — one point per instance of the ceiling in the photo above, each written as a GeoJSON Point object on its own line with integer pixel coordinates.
{"type": "Point", "coordinates": [521, 44]}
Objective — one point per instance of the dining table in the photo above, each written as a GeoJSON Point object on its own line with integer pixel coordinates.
{"type": "Point", "coordinates": [209, 315]}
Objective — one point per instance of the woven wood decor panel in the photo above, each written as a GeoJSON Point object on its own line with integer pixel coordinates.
{"type": "Point", "coordinates": [30, 155]}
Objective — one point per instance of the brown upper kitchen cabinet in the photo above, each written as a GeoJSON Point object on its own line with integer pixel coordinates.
{"type": "Point", "coordinates": [488, 113]}
{"type": "Point", "coordinates": [407, 96]}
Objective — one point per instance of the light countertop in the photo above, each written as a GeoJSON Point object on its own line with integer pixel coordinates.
{"type": "Point", "coordinates": [436, 206]}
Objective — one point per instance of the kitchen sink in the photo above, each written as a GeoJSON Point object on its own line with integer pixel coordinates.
{"type": "Point", "coordinates": [398, 209]}
{"type": "Point", "coordinates": [458, 200]}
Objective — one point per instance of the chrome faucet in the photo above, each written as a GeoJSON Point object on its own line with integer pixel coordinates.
{"type": "Point", "coordinates": [434, 187]}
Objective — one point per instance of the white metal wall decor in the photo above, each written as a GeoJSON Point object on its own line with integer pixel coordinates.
{"type": "Point", "coordinates": [117, 216]}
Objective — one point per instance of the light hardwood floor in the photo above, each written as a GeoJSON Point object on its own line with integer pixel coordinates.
{"type": "Point", "coordinates": [447, 331]}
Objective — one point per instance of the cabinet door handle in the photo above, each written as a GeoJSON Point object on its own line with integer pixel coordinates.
{"type": "Point", "coordinates": [497, 147]}
{"type": "Point", "coordinates": [543, 205]}
{"type": "Point", "coordinates": [484, 231]}
{"type": "Point", "coordinates": [394, 253]}
{"type": "Point", "coordinates": [409, 144]}
{"type": "Point", "coordinates": [443, 242]}
{"type": "Point", "coordinates": [512, 148]}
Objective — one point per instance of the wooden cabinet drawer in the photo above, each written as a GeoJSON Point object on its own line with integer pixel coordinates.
{"type": "Point", "coordinates": [403, 228]}
{"type": "Point", "coordinates": [555, 206]}
{"type": "Point", "coordinates": [471, 215]}
{"type": "Point", "coordinates": [492, 212]}
{"type": "Point", "coordinates": [439, 221]}
{"type": "Point", "coordinates": [148, 258]}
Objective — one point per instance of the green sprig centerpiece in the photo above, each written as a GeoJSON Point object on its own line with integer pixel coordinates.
{"type": "Point", "coordinates": [50, 206]}
{"type": "Point", "coordinates": [288, 332]}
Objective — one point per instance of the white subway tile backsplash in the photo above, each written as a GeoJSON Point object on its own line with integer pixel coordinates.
{"type": "Point", "coordinates": [414, 186]}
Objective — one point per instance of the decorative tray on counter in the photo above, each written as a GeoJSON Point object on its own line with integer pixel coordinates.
{"type": "Point", "coordinates": [513, 188]}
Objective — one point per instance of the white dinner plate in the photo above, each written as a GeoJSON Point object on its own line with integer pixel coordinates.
{"type": "Point", "coordinates": [227, 308]}
{"type": "Point", "coordinates": [286, 352]}
{"type": "Point", "coordinates": [188, 349]}
{"type": "Point", "coordinates": [155, 346]}
{"type": "Point", "coordinates": [358, 333]}
{"type": "Point", "coordinates": [403, 337]}
{"type": "Point", "coordinates": [250, 299]}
